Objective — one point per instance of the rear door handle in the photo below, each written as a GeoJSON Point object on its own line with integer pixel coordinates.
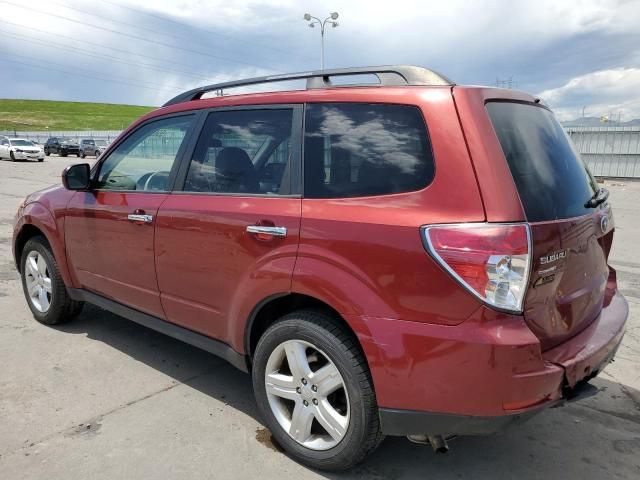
{"type": "Point", "coordinates": [140, 217]}
{"type": "Point", "coordinates": [263, 230]}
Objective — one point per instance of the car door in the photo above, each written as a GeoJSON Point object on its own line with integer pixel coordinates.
{"type": "Point", "coordinates": [109, 230]}
{"type": "Point", "coordinates": [229, 237]}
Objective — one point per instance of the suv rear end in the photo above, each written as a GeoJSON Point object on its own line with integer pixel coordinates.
{"type": "Point", "coordinates": [488, 296]}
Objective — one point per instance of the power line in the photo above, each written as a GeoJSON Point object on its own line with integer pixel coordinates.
{"type": "Point", "coordinates": [88, 53]}
{"type": "Point", "coordinates": [135, 37]}
{"type": "Point", "coordinates": [47, 65]}
{"type": "Point", "coordinates": [94, 44]}
{"type": "Point", "coordinates": [137, 27]}
{"type": "Point", "coordinates": [40, 67]}
{"type": "Point", "coordinates": [212, 32]}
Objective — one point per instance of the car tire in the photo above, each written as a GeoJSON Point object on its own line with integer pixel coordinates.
{"type": "Point", "coordinates": [78, 154]}
{"type": "Point", "coordinates": [13, 157]}
{"type": "Point", "coordinates": [82, 155]}
{"type": "Point", "coordinates": [41, 159]}
{"type": "Point", "coordinates": [43, 287]}
{"type": "Point", "coordinates": [325, 343]}
{"type": "Point", "coordinates": [63, 153]}
{"type": "Point", "coordinates": [46, 152]}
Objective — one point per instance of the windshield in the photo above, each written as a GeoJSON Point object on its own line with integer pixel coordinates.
{"type": "Point", "coordinates": [22, 143]}
{"type": "Point", "coordinates": [552, 180]}
{"type": "Point", "coordinates": [66, 140]}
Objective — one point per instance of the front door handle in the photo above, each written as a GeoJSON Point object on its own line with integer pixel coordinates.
{"type": "Point", "coordinates": [264, 230]}
{"type": "Point", "coordinates": [140, 218]}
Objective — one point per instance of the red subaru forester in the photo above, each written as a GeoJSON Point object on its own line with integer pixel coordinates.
{"type": "Point", "coordinates": [410, 257]}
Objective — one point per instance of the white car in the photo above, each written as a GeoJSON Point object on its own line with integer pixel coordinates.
{"type": "Point", "coordinates": [20, 149]}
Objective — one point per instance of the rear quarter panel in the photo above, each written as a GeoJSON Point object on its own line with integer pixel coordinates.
{"type": "Point", "coordinates": [364, 256]}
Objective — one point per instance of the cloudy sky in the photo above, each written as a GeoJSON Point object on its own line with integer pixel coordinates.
{"type": "Point", "coordinates": [574, 54]}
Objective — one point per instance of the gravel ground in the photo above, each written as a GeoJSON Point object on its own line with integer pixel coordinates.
{"type": "Point", "coordinates": [104, 398]}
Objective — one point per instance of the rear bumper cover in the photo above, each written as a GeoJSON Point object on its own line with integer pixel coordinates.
{"type": "Point", "coordinates": [483, 375]}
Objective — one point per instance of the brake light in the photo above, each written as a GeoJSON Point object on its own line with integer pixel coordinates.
{"type": "Point", "coordinates": [490, 260]}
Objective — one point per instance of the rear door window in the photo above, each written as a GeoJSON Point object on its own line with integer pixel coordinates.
{"type": "Point", "coordinates": [243, 152]}
{"type": "Point", "coordinates": [358, 149]}
{"type": "Point", "coordinates": [551, 178]}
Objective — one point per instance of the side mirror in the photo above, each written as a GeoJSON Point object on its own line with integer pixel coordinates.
{"type": "Point", "coordinates": [77, 177]}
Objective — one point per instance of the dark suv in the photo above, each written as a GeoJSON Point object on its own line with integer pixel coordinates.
{"type": "Point", "coordinates": [63, 146]}
{"type": "Point", "coordinates": [409, 258]}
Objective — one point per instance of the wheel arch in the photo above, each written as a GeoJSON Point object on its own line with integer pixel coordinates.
{"type": "Point", "coordinates": [27, 232]}
{"type": "Point", "coordinates": [270, 309]}
{"type": "Point", "coordinates": [37, 220]}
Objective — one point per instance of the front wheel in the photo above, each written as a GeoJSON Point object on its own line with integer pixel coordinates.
{"type": "Point", "coordinates": [314, 390]}
{"type": "Point", "coordinates": [43, 286]}
{"type": "Point", "coordinates": [13, 157]}
{"type": "Point", "coordinates": [63, 153]}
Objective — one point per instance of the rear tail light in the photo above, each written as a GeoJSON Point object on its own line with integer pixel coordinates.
{"type": "Point", "coordinates": [490, 260]}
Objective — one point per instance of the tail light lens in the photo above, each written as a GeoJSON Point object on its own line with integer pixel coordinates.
{"type": "Point", "coordinates": [490, 260]}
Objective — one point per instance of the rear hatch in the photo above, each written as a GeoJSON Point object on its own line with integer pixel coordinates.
{"type": "Point", "coordinates": [570, 239]}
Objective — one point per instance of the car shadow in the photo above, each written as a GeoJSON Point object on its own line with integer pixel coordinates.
{"type": "Point", "coordinates": [593, 439]}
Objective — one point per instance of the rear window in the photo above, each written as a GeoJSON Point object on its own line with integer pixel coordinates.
{"type": "Point", "coordinates": [357, 149]}
{"type": "Point", "coordinates": [552, 180]}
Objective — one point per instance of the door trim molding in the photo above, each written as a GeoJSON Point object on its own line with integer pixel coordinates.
{"type": "Point", "coordinates": [208, 344]}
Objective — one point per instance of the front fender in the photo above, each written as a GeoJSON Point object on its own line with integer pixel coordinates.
{"type": "Point", "coordinates": [40, 217]}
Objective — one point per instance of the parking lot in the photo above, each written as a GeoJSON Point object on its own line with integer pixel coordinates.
{"type": "Point", "coordinates": [102, 397]}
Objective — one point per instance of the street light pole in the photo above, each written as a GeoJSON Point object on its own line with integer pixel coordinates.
{"type": "Point", "coordinates": [313, 21]}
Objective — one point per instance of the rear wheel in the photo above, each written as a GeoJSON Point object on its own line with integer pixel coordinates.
{"type": "Point", "coordinates": [315, 392]}
{"type": "Point", "coordinates": [43, 287]}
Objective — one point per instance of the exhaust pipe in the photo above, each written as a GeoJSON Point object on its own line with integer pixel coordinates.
{"type": "Point", "coordinates": [437, 442]}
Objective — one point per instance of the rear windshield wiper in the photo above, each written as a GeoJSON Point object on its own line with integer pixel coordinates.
{"type": "Point", "coordinates": [598, 198]}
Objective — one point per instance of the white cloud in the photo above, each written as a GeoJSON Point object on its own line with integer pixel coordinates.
{"type": "Point", "coordinates": [605, 92]}
{"type": "Point", "coordinates": [542, 43]}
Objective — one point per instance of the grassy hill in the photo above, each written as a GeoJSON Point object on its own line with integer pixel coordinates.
{"type": "Point", "coordinates": [39, 114]}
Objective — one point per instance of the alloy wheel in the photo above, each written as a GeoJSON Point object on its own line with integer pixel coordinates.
{"type": "Point", "coordinates": [307, 395]}
{"type": "Point", "coordinates": [38, 281]}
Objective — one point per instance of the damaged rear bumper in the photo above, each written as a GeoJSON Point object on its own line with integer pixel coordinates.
{"type": "Point", "coordinates": [506, 388]}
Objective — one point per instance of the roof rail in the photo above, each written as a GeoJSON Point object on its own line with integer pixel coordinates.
{"type": "Point", "coordinates": [392, 75]}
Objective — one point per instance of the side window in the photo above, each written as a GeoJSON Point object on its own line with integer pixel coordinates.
{"type": "Point", "coordinates": [145, 158]}
{"type": "Point", "coordinates": [357, 149]}
{"type": "Point", "coordinates": [242, 151]}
